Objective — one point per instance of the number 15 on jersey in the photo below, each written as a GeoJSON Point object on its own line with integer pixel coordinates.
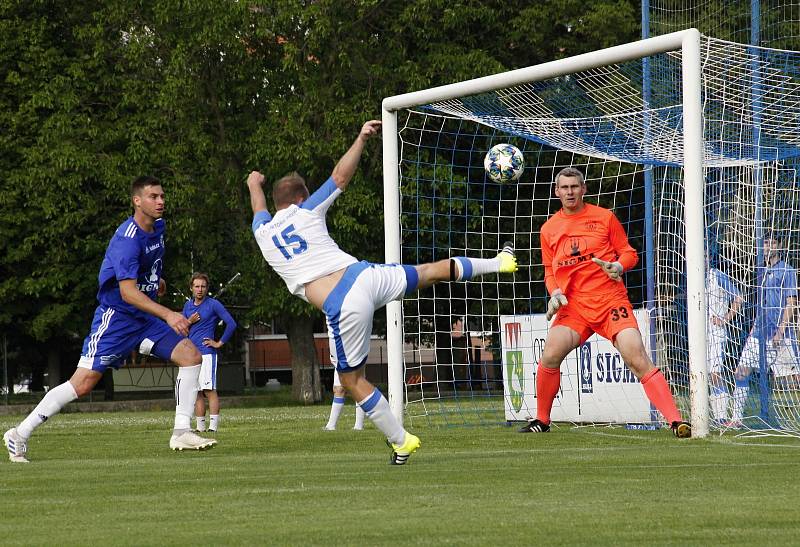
{"type": "Point", "coordinates": [291, 242]}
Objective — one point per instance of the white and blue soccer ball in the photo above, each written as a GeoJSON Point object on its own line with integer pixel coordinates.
{"type": "Point", "coordinates": [504, 163]}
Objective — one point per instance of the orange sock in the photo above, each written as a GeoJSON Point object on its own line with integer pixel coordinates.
{"type": "Point", "coordinates": [656, 388]}
{"type": "Point", "coordinates": [548, 380]}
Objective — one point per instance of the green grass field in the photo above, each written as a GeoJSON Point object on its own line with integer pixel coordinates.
{"type": "Point", "coordinates": [277, 478]}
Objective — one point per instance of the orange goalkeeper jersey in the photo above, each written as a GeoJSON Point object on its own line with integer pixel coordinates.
{"type": "Point", "coordinates": [569, 242]}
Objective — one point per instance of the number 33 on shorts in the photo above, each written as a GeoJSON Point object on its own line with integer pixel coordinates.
{"type": "Point", "coordinates": [621, 312]}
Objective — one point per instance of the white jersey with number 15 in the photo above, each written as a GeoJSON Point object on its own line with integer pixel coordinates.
{"type": "Point", "coordinates": [296, 243]}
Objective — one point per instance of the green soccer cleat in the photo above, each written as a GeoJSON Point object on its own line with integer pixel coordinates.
{"type": "Point", "coordinates": [508, 261]}
{"type": "Point", "coordinates": [401, 453]}
{"type": "Point", "coordinates": [682, 430]}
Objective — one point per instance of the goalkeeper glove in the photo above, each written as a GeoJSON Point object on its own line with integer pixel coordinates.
{"type": "Point", "coordinates": [612, 269]}
{"type": "Point", "coordinates": [557, 299]}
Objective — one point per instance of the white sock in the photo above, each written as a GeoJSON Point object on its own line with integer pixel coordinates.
{"type": "Point", "coordinates": [377, 408]}
{"type": "Point", "coordinates": [719, 403]}
{"type": "Point", "coordinates": [201, 423]}
{"type": "Point", "coordinates": [739, 397]}
{"type": "Point", "coordinates": [52, 403]}
{"type": "Point", "coordinates": [214, 422]}
{"type": "Point", "coordinates": [336, 410]}
{"type": "Point", "coordinates": [467, 268]}
{"type": "Point", "coordinates": [185, 397]}
{"type": "Point", "coordinates": [359, 418]}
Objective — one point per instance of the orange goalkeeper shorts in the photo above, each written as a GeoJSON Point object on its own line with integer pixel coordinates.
{"type": "Point", "coordinates": [605, 314]}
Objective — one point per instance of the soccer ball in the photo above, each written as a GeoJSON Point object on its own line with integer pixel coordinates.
{"type": "Point", "coordinates": [504, 163]}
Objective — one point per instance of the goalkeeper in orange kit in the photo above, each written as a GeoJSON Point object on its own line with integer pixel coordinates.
{"type": "Point", "coordinates": [585, 251]}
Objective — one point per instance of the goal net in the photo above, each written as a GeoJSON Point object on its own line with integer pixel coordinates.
{"type": "Point", "coordinates": [700, 168]}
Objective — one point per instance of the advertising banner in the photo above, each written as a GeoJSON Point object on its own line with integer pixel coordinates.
{"type": "Point", "coordinates": [596, 386]}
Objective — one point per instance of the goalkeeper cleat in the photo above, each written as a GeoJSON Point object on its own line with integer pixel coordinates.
{"type": "Point", "coordinates": [534, 426]}
{"type": "Point", "coordinates": [682, 430]}
{"type": "Point", "coordinates": [17, 448]}
{"type": "Point", "coordinates": [190, 441]}
{"type": "Point", "coordinates": [401, 453]}
{"type": "Point", "coordinates": [507, 259]}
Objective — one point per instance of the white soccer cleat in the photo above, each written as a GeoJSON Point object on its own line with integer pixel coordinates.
{"type": "Point", "coordinates": [17, 448]}
{"type": "Point", "coordinates": [190, 441]}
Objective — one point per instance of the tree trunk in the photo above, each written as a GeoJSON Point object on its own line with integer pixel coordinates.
{"type": "Point", "coordinates": [306, 386]}
{"type": "Point", "coordinates": [53, 367]}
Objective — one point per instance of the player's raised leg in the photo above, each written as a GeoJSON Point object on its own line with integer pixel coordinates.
{"type": "Point", "coordinates": [462, 268]}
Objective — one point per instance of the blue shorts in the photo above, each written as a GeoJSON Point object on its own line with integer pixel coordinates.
{"type": "Point", "coordinates": [115, 334]}
{"type": "Point", "coordinates": [349, 308]}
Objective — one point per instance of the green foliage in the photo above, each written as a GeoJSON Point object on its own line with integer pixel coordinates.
{"type": "Point", "coordinates": [200, 93]}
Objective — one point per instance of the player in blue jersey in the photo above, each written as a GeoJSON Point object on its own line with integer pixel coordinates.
{"type": "Point", "coordinates": [296, 244]}
{"type": "Point", "coordinates": [127, 318]}
{"type": "Point", "coordinates": [773, 325]}
{"type": "Point", "coordinates": [204, 312]}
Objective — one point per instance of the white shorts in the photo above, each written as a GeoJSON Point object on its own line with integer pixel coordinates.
{"type": "Point", "coordinates": [208, 372]}
{"type": "Point", "coordinates": [782, 359]}
{"type": "Point", "coordinates": [336, 381]}
{"type": "Point", "coordinates": [364, 288]}
{"type": "Point", "coordinates": [715, 349]}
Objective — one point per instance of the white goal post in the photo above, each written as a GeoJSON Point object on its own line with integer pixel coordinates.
{"type": "Point", "coordinates": [688, 44]}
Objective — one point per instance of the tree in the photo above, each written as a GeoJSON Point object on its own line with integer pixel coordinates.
{"type": "Point", "coordinates": [199, 94]}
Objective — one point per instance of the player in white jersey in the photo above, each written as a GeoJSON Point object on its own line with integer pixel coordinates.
{"type": "Point", "coordinates": [296, 244]}
{"type": "Point", "coordinates": [724, 302]}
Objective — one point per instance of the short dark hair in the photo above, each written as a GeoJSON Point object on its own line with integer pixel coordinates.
{"type": "Point", "coordinates": [570, 172]}
{"type": "Point", "coordinates": [772, 235]}
{"type": "Point", "coordinates": [288, 188]}
{"type": "Point", "coordinates": [139, 184]}
{"type": "Point", "coordinates": [198, 275]}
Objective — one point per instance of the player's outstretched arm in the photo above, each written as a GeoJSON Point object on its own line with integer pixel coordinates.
{"type": "Point", "coordinates": [132, 295]}
{"type": "Point", "coordinates": [348, 163]}
{"type": "Point", "coordinates": [255, 183]}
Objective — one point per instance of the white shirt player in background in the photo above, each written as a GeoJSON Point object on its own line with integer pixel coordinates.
{"type": "Point", "coordinates": [338, 405]}
{"type": "Point", "coordinates": [724, 302]}
{"type": "Point", "coordinates": [296, 244]}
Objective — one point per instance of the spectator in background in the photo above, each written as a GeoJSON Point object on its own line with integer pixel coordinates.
{"type": "Point", "coordinates": [204, 312]}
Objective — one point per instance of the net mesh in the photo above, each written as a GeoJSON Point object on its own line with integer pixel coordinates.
{"type": "Point", "coordinates": [599, 121]}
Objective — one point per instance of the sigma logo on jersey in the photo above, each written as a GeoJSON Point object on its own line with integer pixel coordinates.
{"type": "Point", "coordinates": [574, 247]}
{"type": "Point", "coordinates": [151, 281]}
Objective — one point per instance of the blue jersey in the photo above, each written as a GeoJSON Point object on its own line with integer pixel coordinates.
{"type": "Point", "coordinates": [210, 311]}
{"type": "Point", "coordinates": [132, 253]}
{"type": "Point", "coordinates": [779, 283]}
